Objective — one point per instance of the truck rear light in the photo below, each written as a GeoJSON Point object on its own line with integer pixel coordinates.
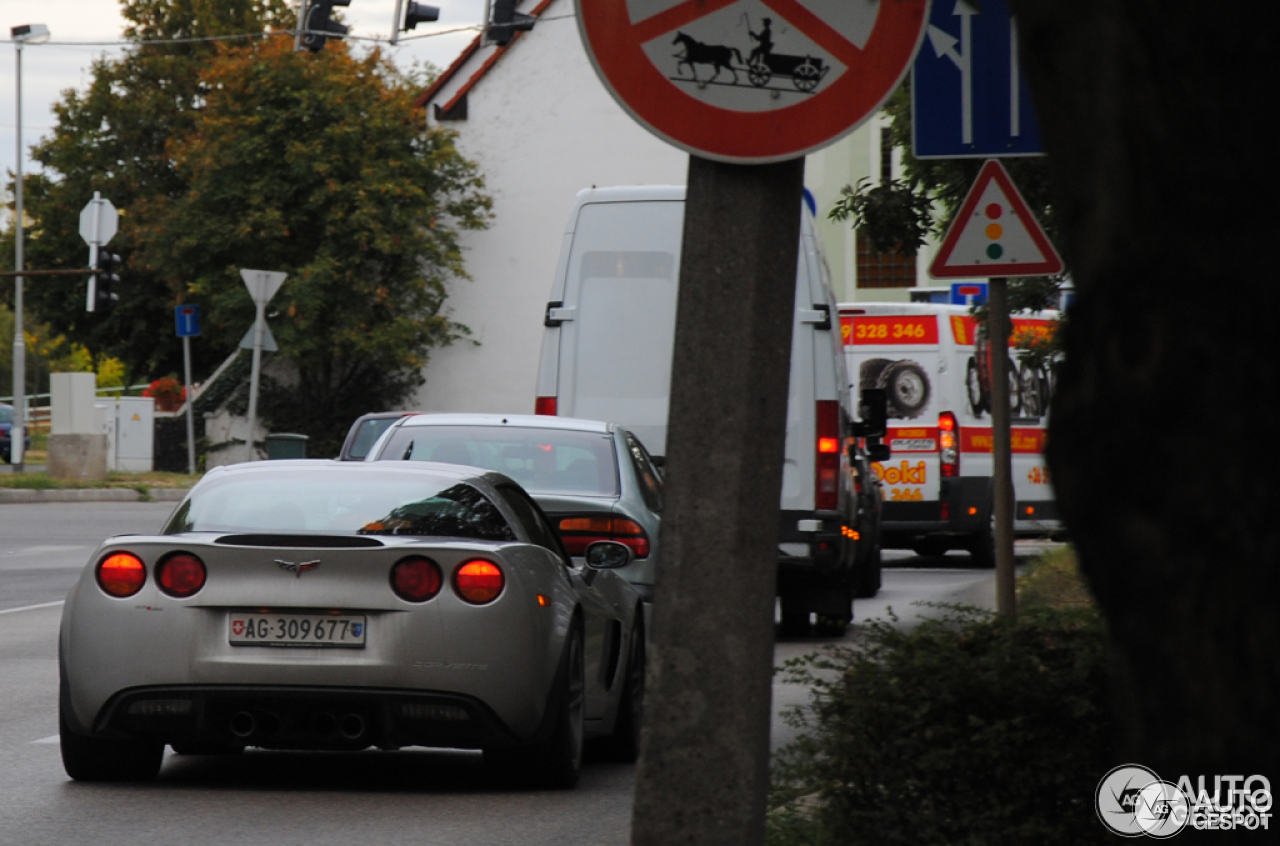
{"type": "Point", "coordinates": [826, 494]}
{"type": "Point", "coordinates": [478, 581]}
{"type": "Point", "coordinates": [415, 579]}
{"type": "Point", "coordinates": [948, 444]}
{"type": "Point", "coordinates": [580, 532]}
{"type": "Point", "coordinates": [545, 405]}
{"type": "Point", "coordinates": [121, 574]}
{"type": "Point", "coordinates": [180, 575]}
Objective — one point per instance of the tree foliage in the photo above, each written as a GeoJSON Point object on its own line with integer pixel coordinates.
{"type": "Point", "coordinates": [241, 153]}
{"type": "Point", "coordinates": [316, 165]}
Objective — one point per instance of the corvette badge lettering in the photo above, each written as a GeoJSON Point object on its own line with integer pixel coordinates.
{"type": "Point", "coordinates": [297, 568]}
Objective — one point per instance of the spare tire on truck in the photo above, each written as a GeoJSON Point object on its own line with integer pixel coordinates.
{"type": "Point", "coordinates": [908, 389]}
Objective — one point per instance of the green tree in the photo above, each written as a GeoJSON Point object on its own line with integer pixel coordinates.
{"type": "Point", "coordinates": [317, 165]}
{"type": "Point", "coordinates": [111, 137]}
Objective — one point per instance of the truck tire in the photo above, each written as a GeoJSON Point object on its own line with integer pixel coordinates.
{"type": "Point", "coordinates": [908, 388]}
{"type": "Point", "coordinates": [982, 546]}
{"type": "Point", "coordinates": [870, 576]}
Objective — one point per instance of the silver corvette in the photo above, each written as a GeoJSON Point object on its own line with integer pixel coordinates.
{"type": "Point", "coordinates": [326, 605]}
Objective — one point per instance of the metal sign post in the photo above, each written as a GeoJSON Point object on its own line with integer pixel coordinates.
{"type": "Point", "coordinates": [995, 232]}
{"type": "Point", "coordinates": [262, 285]}
{"type": "Point", "coordinates": [187, 318]}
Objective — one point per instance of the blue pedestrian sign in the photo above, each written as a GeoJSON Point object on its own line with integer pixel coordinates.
{"type": "Point", "coordinates": [969, 97]}
{"type": "Point", "coordinates": [968, 293]}
{"type": "Point", "coordinates": [187, 318]}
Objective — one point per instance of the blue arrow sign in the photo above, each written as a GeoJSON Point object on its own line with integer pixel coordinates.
{"type": "Point", "coordinates": [969, 97]}
{"type": "Point", "coordinates": [187, 318]}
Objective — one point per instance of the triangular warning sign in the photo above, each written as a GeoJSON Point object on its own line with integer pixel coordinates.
{"type": "Point", "coordinates": [994, 234]}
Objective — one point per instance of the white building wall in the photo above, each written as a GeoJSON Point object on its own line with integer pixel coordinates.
{"type": "Point", "coordinates": [541, 127]}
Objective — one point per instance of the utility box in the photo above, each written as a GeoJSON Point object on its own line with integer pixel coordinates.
{"type": "Point", "coordinates": [71, 404]}
{"type": "Point", "coordinates": [135, 434]}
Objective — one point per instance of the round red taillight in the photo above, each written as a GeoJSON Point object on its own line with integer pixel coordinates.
{"type": "Point", "coordinates": [478, 581]}
{"type": "Point", "coordinates": [416, 579]}
{"type": "Point", "coordinates": [121, 574]}
{"type": "Point", "coordinates": [180, 575]}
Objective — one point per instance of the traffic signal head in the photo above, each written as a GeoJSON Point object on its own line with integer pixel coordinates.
{"type": "Point", "coordinates": [320, 21]}
{"type": "Point", "coordinates": [507, 21]}
{"type": "Point", "coordinates": [419, 13]}
{"type": "Point", "coordinates": [105, 279]}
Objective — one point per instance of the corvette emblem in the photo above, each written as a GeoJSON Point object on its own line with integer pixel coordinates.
{"type": "Point", "coordinates": [297, 568]}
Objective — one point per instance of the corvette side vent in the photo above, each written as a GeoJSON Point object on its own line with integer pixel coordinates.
{"type": "Point", "coordinates": [301, 541]}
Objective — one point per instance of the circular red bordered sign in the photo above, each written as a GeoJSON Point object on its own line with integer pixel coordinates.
{"type": "Point", "coordinates": [751, 81]}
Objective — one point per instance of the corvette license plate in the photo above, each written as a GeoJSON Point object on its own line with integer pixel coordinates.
{"type": "Point", "coordinates": [306, 630]}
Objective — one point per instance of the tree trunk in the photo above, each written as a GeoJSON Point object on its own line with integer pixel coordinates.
{"type": "Point", "coordinates": [1159, 443]}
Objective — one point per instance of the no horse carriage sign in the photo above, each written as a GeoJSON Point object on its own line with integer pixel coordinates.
{"type": "Point", "coordinates": [751, 81]}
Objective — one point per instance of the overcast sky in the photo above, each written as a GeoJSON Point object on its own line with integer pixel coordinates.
{"type": "Point", "coordinates": [49, 69]}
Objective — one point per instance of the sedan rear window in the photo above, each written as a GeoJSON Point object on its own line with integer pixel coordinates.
{"type": "Point", "coordinates": [543, 461]}
{"type": "Point", "coordinates": [372, 504]}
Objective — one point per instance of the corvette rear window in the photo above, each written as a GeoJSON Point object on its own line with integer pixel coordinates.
{"type": "Point", "coordinates": [342, 504]}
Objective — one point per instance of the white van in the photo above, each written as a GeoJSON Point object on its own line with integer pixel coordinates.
{"type": "Point", "coordinates": [606, 355]}
{"type": "Point", "coordinates": [935, 369]}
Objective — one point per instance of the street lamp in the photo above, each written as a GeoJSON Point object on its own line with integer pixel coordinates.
{"type": "Point", "coordinates": [24, 34]}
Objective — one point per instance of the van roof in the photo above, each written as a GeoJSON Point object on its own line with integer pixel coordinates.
{"type": "Point", "coordinates": [928, 308]}
{"type": "Point", "coordinates": [630, 193]}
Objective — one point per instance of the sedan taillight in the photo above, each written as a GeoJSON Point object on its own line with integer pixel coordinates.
{"type": "Point", "coordinates": [478, 581]}
{"type": "Point", "coordinates": [416, 579]}
{"type": "Point", "coordinates": [121, 574]}
{"type": "Point", "coordinates": [180, 575]}
{"type": "Point", "coordinates": [580, 532]}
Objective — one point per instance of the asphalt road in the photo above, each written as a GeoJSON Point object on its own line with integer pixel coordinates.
{"type": "Point", "coordinates": [310, 799]}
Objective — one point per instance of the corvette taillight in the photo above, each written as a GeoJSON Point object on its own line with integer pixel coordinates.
{"type": "Point", "coordinates": [121, 574]}
{"type": "Point", "coordinates": [416, 579]}
{"type": "Point", "coordinates": [545, 405]}
{"type": "Point", "coordinates": [180, 575]}
{"type": "Point", "coordinates": [580, 532]}
{"type": "Point", "coordinates": [478, 581]}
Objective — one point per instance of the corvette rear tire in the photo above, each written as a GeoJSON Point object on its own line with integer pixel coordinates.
{"type": "Point", "coordinates": [624, 744]}
{"type": "Point", "coordinates": [95, 759]}
{"type": "Point", "coordinates": [557, 762]}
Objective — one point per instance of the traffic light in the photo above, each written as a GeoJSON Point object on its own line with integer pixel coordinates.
{"type": "Point", "coordinates": [105, 279]}
{"type": "Point", "coordinates": [320, 21]}
{"type": "Point", "coordinates": [419, 13]}
{"type": "Point", "coordinates": [507, 21]}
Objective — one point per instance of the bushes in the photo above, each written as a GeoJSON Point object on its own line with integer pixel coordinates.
{"type": "Point", "coordinates": [967, 730]}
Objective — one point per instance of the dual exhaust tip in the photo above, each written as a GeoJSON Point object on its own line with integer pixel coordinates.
{"type": "Point", "coordinates": [245, 725]}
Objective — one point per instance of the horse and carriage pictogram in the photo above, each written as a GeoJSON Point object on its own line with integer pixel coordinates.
{"type": "Point", "coordinates": [761, 65]}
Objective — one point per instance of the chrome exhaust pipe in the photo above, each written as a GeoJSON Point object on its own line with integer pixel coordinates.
{"type": "Point", "coordinates": [351, 726]}
{"type": "Point", "coordinates": [243, 724]}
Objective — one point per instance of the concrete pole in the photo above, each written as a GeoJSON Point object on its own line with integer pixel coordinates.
{"type": "Point", "coordinates": [18, 432]}
{"type": "Point", "coordinates": [191, 406]}
{"type": "Point", "coordinates": [259, 327]}
{"type": "Point", "coordinates": [703, 775]}
{"type": "Point", "coordinates": [1001, 452]}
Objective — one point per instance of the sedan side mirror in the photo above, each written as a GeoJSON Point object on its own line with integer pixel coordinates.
{"type": "Point", "coordinates": [608, 555]}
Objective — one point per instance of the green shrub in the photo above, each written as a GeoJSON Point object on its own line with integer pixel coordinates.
{"type": "Point", "coordinates": [1053, 581]}
{"type": "Point", "coordinates": [969, 729]}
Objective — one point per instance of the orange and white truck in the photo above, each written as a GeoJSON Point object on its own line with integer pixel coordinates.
{"type": "Point", "coordinates": [934, 366]}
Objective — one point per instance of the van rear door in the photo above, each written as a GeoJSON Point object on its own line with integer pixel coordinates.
{"type": "Point", "coordinates": [620, 305]}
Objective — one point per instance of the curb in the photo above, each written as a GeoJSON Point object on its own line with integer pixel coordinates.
{"type": "Point", "coordinates": [20, 495]}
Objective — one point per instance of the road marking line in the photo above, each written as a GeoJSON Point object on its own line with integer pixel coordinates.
{"type": "Point", "coordinates": [51, 740]}
{"type": "Point", "coordinates": [32, 607]}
